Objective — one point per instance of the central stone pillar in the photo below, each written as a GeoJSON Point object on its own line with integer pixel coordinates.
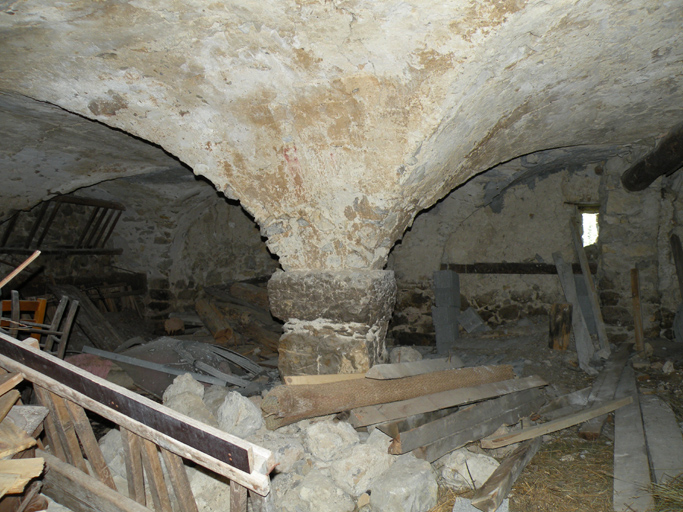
{"type": "Point", "coordinates": [336, 321]}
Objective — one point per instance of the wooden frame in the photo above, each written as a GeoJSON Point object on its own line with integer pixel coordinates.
{"type": "Point", "coordinates": [244, 463]}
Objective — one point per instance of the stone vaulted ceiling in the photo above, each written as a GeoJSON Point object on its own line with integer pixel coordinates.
{"type": "Point", "coordinates": [335, 122]}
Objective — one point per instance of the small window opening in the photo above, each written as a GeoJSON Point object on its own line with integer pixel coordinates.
{"type": "Point", "coordinates": [589, 223]}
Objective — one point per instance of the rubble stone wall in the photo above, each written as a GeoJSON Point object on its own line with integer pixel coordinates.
{"type": "Point", "coordinates": [525, 219]}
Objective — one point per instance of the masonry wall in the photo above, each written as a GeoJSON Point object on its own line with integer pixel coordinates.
{"type": "Point", "coordinates": [513, 216]}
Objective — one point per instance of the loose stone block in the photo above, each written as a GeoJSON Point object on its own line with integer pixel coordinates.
{"type": "Point", "coordinates": [363, 464]}
{"type": "Point", "coordinates": [239, 416]}
{"type": "Point", "coordinates": [317, 493]}
{"type": "Point", "coordinates": [409, 485]}
{"type": "Point", "coordinates": [328, 440]}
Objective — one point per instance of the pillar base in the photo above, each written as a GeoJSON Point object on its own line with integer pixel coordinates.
{"type": "Point", "coordinates": [336, 321]}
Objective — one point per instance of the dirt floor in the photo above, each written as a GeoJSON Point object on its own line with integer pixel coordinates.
{"type": "Point", "coordinates": [568, 474]}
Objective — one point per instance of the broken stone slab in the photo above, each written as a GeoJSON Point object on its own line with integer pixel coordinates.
{"type": "Point", "coordinates": [238, 415]}
{"type": "Point", "coordinates": [362, 464]}
{"type": "Point", "coordinates": [317, 493]}
{"type": "Point", "coordinates": [464, 470]}
{"type": "Point", "coordinates": [329, 440]}
{"type": "Point", "coordinates": [409, 485]}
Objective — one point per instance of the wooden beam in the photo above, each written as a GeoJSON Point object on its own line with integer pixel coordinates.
{"type": "Point", "coordinates": [584, 344]}
{"type": "Point", "coordinates": [155, 476]}
{"type": "Point", "coordinates": [217, 451]}
{"type": "Point", "coordinates": [300, 380]}
{"type": "Point", "coordinates": [9, 381]}
{"type": "Point", "coordinates": [286, 404]}
{"type": "Point", "coordinates": [631, 469]}
{"type": "Point", "coordinates": [511, 268]}
{"type": "Point", "coordinates": [553, 426]}
{"type": "Point", "coordinates": [460, 438]}
{"type": "Point", "coordinates": [133, 461]}
{"type": "Point", "coordinates": [80, 492]}
{"type": "Point", "coordinates": [181, 484]}
{"type": "Point", "coordinates": [383, 413]}
{"type": "Point", "coordinates": [590, 285]}
{"type": "Point", "coordinates": [426, 434]}
{"type": "Point", "coordinates": [603, 390]}
{"type": "Point", "coordinates": [490, 495]}
{"type": "Point", "coordinates": [664, 440]}
{"type": "Point", "coordinates": [666, 158]}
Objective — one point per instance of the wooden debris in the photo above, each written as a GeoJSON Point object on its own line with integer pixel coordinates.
{"type": "Point", "coordinates": [16, 473]}
{"type": "Point", "coordinates": [604, 387]}
{"type": "Point", "coordinates": [460, 438]}
{"type": "Point", "coordinates": [7, 401]}
{"type": "Point", "coordinates": [433, 431]}
{"type": "Point", "coordinates": [664, 440]}
{"type": "Point", "coordinates": [631, 470]}
{"type": "Point", "coordinates": [565, 404]}
{"type": "Point", "coordinates": [286, 404]}
{"type": "Point", "coordinates": [250, 293]}
{"type": "Point", "coordinates": [394, 428]}
{"type": "Point", "coordinates": [13, 440]}
{"type": "Point", "coordinates": [387, 412]}
{"type": "Point", "coordinates": [555, 425]}
{"type": "Point", "coordinates": [28, 418]}
{"type": "Point", "coordinates": [95, 326]}
{"type": "Point", "coordinates": [81, 492]}
{"type": "Point", "coordinates": [560, 326]}
{"type": "Point", "coordinates": [17, 270]}
{"type": "Point", "coordinates": [299, 380]}
{"type": "Point", "coordinates": [490, 495]}
{"type": "Point", "coordinates": [8, 381]}
{"type": "Point", "coordinates": [400, 370]}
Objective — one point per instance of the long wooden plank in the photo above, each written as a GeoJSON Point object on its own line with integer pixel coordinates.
{"type": "Point", "coordinates": [603, 389]}
{"type": "Point", "coordinates": [90, 446]}
{"type": "Point", "coordinates": [155, 476]}
{"type": "Point", "coordinates": [400, 370]}
{"type": "Point", "coordinates": [371, 415]}
{"type": "Point", "coordinates": [9, 381]}
{"type": "Point", "coordinates": [511, 268]}
{"type": "Point", "coordinates": [435, 430]}
{"type": "Point", "coordinates": [555, 425]}
{"type": "Point", "coordinates": [7, 401]}
{"type": "Point", "coordinates": [394, 428]}
{"type": "Point", "coordinates": [490, 495]}
{"type": "Point", "coordinates": [134, 471]}
{"type": "Point", "coordinates": [590, 284]}
{"type": "Point", "coordinates": [80, 492]}
{"type": "Point", "coordinates": [664, 439]}
{"type": "Point", "coordinates": [301, 380]}
{"type": "Point", "coordinates": [218, 451]}
{"type": "Point", "coordinates": [460, 438]}
{"type": "Point", "coordinates": [631, 470]}
{"type": "Point", "coordinates": [180, 482]}
{"type": "Point", "coordinates": [582, 337]}
{"type": "Point", "coordinates": [286, 404]}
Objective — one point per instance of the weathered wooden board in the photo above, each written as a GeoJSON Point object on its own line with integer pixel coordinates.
{"type": "Point", "coordinates": [400, 370]}
{"type": "Point", "coordinates": [490, 495]}
{"type": "Point", "coordinates": [20, 472]}
{"type": "Point", "coordinates": [584, 343]}
{"type": "Point", "coordinates": [286, 404]}
{"type": "Point", "coordinates": [631, 470]}
{"type": "Point", "coordinates": [383, 413]}
{"type": "Point", "coordinates": [664, 439]}
{"type": "Point", "coordinates": [300, 380]}
{"type": "Point", "coordinates": [80, 492]}
{"type": "Point", "coordinates": [590, 284]}
{"type": "Point", "coordinates": [218, 451]}
{"type": "Point", "coordinates": [603, 389]}
{"type": "Point", "coordinates": [462, 437]}
{"type": "Point", "coordinates": [433, 431]}
{"type": "Point", "coordinates": [555, 425]}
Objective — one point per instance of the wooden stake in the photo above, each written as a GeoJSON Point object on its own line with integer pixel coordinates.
{"type": "Point", "coordinates": [21, 267]}
{"type": "Point", "coordinates": [560, 326]}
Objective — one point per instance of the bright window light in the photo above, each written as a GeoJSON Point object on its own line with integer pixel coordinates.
{"type": "Point", "coordinates": [590, 228]}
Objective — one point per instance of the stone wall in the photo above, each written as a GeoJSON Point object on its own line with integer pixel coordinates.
{"type": "Point", "coordinates": [510, 215]}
